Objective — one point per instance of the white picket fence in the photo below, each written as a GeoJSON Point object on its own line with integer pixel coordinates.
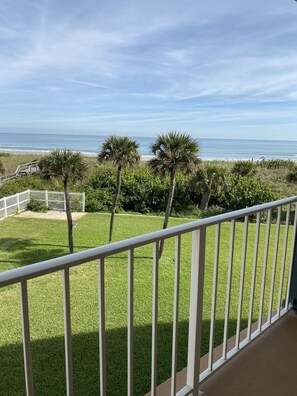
{"type": "Point", "coordinates": [53, 199]}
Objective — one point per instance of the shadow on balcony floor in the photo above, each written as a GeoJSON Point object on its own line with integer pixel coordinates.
{"type": "Point", "coordinates": [267, 367]}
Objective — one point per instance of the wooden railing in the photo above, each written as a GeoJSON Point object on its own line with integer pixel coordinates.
{"type": "Point", "coordinates": [22, 170]}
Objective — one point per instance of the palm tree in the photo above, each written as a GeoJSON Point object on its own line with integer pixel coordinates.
{"type": "Point", "coordinates": [68, 166]}
{"type": "Point", "coordinates": [123, 153]}
{"type": "Point", "coordinates": [210, 179]}
{"type": "Point", "coordinates": [173, 152]}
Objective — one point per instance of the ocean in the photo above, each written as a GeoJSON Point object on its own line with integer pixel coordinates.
{"type": "Point", "coordinates": [210, 149]}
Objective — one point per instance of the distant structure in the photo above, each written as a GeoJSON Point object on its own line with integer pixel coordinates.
{"type": "Point", "coordinates": [22, 170]}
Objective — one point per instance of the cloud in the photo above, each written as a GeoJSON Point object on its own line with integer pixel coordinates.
{"type": "Point", "coordinates": [147, 62]}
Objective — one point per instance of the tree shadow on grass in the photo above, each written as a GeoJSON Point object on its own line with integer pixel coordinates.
{"type": "Point", "coordinates": [26, 251]}
{"type": "Point", "coordinates": [49, 366]}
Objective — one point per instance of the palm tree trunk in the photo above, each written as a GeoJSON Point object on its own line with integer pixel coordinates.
{"type": "Point", "coordinates": [168, 208]}
{"type": "Point", "coordinates": [205, 200]}
{"type": "Point", "coordinates": [69, 217]}
{"type": "Point", "coordinates": [115, 202]}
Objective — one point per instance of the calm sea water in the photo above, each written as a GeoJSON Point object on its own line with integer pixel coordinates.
{"type": "Point", "coordinates": [228, 149]}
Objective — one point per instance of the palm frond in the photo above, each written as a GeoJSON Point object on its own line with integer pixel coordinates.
{"type": "Point", "coordinates": [66, 164]}
{"type": "Point", "coordinates": [121, 151]}
{"type": "Point", "coordinates": [174, 151]}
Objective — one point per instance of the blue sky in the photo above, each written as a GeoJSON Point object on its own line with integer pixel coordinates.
{"type": "Point", "coordinates": [217, 69]}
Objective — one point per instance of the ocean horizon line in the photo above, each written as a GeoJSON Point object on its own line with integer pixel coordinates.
{"type": "Point", "coordinates": [144, 157]}
{"type": "Point", "coordinates": [210, 149]}
{"type": "Point", "coordinates": [99, 135]}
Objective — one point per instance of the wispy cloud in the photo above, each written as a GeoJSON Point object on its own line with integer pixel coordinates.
{"type": "Point", "coordinates": [148, 65]}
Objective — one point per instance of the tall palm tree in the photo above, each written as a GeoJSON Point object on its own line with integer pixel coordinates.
{"type": "Point", "coordinates": [123, 153]}
{"type": "Point", "coordinates": [173, 152]}
{"type": "Point", "coordinates": [210, 179]}
{"type": "Point", "coordinates": [68, 166]}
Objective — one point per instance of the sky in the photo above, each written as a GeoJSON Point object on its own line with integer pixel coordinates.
{"type": "Point", "coordinates": [212, 68]}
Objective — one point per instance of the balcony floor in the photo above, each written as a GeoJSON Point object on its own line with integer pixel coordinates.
{"type": "Point", "coordinates": [266, 367]}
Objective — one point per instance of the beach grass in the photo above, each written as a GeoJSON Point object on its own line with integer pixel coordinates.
{"type": "Point", "coordinates": [11, 161]}
{"type": "Point", "coordinates": [25, 241]}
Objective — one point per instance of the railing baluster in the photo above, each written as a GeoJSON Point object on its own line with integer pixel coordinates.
{"type": "Point", "coordinates": [253, 284]}
{"type": "Point", "coordinates": [175, 314]}
{"type": "Point", "coordinates": [214, 296]}
{"type": "Point", "coordinates": [155, 319]}
{"type": "Point", "coordinates": [262, 295]}
{"type": "Point", "coordinates": [279, 211]}
{"type": "Point", "coordinates": [292, 258]}
{"type": "Point", "coordinates": [67, 332]}
{"type": "Point", "coordinates": [241, 287]}
{"type": "Point", "coordinates": [101, 303]}
{"type": "Point", "coordinates": [228, 294]}
{"type": "Point", "coordinates": [285, 247]}
{"type": "Point", "coordinates": [26, 338]}
{"type": "Point", "coordinates": [130, 319]}
{"type": "Point", "coordinates": [196, 307]}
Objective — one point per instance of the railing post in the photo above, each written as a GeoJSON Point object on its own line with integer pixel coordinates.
{"type": "Point", "coordinates": [293, 282]}
{"type": "Point", "coordinates": [84, 202]}
{"type": "Point", "coordinates": [196, 306]}
{"type": "Point", "coordinates": [18, 200]}
{"type": "Point", "coordinates": [5, 207]}
{"type": "Point", "coordinates": [46, 197]}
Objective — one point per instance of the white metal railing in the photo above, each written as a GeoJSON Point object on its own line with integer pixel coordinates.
{"type": "Point", "coordinates": [198, 230]}
{"type": "Point", "coordinates": [54, 200]}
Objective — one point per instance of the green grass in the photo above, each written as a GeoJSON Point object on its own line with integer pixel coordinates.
{"type": "Point", "coordinates": [25, 241]}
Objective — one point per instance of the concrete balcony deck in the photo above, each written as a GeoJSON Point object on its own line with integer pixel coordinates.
{"type": "Point", "coordinates": [266, 367]}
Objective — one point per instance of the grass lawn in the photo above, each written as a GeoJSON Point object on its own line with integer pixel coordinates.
{"type": "Point", "coordinates": [25, 241]}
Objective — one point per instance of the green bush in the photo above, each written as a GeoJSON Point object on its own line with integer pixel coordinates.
{"type": "Point", "coordinates": [213, 210]}
{"type": "Point", "coordinates": [277, 164]}
{"type": "Point", "coordinates": [244, 168]}
{"type": "Point", "coordinates": [247, 191]}
{"type": "Point", "coordinates": [292, 176]}
{"type": "Point", "coordinates": [37, 206]}
{"type": "Point", "coordinates": [33, 182]}
{"type": "Point", "coordinates": [2, 169]}
{"type": "Point", "coordinates": [98, 200]}
{"type": "Point", "coordinates": [141, 191]}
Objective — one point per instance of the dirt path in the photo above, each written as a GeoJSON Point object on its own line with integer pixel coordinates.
{"type": "Point", "coordinates": [51, 214]}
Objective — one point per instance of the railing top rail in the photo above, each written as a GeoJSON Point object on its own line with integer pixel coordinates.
{"type": "Point", "coordinates": [14, 195]}
{"type": "Point", "coordinates": [71, 260]}
{"type": "Point", "coordinates": [54, 192]}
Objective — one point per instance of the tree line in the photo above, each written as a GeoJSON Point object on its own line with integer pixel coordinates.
{"type": "Point", "coordinates": [173, 152]}
{"type": "Point", "coordinates": [176, 164]}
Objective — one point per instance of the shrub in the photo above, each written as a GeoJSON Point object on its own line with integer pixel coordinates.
{"type": "Point", "coordinates": [2, 169]}
{"type": "Point", "coordinates": [37, 206]}
{"type": "Point", "coordinates": [33, 182]}
{"type": "Point", "coordinates": [292, 176]}
{"type": "Point", "coordinates": [244, 168]}
{"type": "Point", "coordinates": [213, 210]}
{"type": "Point", "coordinates": [277, 164]}
{"type": "Point", "coordinates": [247, 191]}
{"type": "Point", "coordinates": [141, 191]}
{"type": "Point", "coordinates": [98, 200]}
